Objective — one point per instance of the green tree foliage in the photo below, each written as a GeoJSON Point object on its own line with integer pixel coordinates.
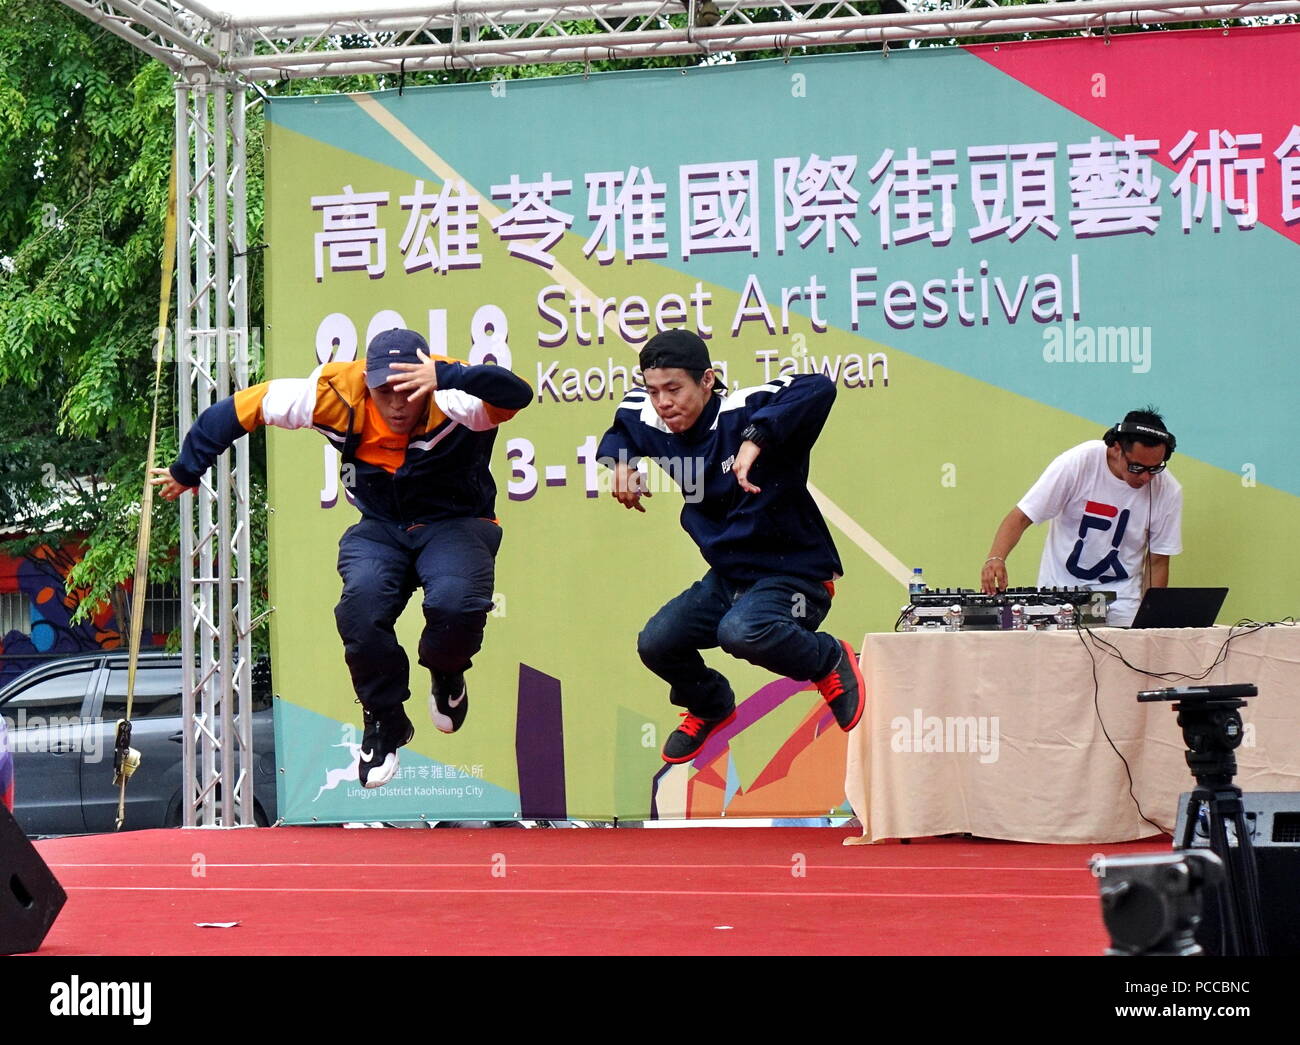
{"type": "Point", "coordinates": [86, 129]}
{"type": "Point", "coordinates": [86, 142]}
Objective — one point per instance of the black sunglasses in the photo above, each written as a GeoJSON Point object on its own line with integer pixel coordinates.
{"type": "Point", "coordinates": [1139, 469]}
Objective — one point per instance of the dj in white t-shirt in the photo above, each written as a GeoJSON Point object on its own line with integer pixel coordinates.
{"type": "Point", "coordinates": [1110, 504]}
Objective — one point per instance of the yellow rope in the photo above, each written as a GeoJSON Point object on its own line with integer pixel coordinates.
{"type": "Point", "coordinates": [126, 759]}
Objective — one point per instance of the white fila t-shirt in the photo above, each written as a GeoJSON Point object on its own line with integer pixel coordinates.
{"type": "Point", "coordinates": [1099, 526]}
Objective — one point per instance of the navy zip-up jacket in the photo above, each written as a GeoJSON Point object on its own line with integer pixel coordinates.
{"type": "Point", "coordinates": [744, 536]}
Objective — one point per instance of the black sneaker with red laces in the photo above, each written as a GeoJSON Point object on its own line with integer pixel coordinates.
{"type": "Point", "coordinates": [844, 690]}
{"type": "Point", "coordinates": [685, 741]}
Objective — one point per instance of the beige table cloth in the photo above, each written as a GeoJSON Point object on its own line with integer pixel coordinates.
{"type": "Point", "coordinates": [995, 733]}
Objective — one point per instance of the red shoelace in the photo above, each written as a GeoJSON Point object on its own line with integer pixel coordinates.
{"type": "Point", "coordinates": [692, 724]}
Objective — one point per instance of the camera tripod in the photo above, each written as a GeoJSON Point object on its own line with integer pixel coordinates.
{"type": "Point", "coordinates": [1212, 730]}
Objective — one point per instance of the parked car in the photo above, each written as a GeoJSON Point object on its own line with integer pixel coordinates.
{"type": "Point", "coordinates": [62, 719]}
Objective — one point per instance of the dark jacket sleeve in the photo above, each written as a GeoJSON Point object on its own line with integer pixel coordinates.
{"type": "Point", "coordinates": [793, 416]}
{"type": "Point", "coordinates": [494, 385]}
{"type": "Point", "coordinates": [620, 442]}
{"type": "Point", "coordinates": [211, 435]}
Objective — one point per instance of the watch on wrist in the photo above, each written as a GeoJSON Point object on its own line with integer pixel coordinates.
{"type": "Point", "coordinates": [754, 434]}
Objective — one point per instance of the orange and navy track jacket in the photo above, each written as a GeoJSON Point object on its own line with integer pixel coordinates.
{"type": "Point", "coordinates": [439, 471]}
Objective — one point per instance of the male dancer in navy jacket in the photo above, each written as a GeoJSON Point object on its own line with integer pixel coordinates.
{"type": "Point", "coordinates": [416, 431]}
{"type": "Point", "coordinates": [742, 461]}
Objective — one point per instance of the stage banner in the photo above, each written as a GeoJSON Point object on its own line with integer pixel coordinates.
{"type": "Point", "coordinates": [994, 252]}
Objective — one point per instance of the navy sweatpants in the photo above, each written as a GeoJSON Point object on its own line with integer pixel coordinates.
{"type": "Point", "coordinates": [381, 565]}
{"type": "Point", "coordinates": [772, 623]}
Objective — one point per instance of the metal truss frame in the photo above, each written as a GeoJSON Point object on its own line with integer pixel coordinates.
{"type": "Point", "coordinates": [212, 352]}
{"type": "Point", "coordinates": [455, 34]}
{"type": "Point", "coordinates": [216, 56]}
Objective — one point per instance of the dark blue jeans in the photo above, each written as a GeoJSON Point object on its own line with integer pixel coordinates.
{"type": "Point", "coordinates": [771, 623]}
{"type": "Point", "coordinates": [381, 565]}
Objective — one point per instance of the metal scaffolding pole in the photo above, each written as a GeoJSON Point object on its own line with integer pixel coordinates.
{"type": "Point", "coordinates": [213, 363]}
{"type": "Point", "coordinates": [241, 538]}
{"type": "Point", "coordinates": [340, 39]}
{"type": "Point", "coordinates": [490, 34]}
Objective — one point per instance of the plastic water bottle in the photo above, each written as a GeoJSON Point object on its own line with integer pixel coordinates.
{"type": "Point", "coordinates": [917, 586]}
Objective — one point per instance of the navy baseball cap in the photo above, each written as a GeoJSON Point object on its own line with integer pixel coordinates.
{"type": "Point", "coordinates": [389, 347]}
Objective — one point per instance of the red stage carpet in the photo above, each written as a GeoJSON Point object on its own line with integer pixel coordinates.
{"type": "Point", "coordinates": [305, 891]}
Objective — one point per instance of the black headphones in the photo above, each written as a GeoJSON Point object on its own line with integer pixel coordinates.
{"type": "Point", "coordinates": [1138, 431]}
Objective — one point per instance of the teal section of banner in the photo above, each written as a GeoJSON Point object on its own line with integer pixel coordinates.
{"type": "Point", "coordinates": [1190, 321]}
{"type": "Point", "coordinates": [424, 789]}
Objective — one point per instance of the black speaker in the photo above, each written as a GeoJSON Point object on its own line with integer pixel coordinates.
{"type": "Point", "coordinates": [1273, 822]}
{"type": "Point", "coordinates": [30, 896]}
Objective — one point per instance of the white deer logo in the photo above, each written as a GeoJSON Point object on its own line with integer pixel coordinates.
{"type": "Point", "coordinates": [334, 777]}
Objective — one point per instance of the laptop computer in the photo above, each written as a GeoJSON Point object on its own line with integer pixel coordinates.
{"type": "Point", "coordinates": [1179, 608]}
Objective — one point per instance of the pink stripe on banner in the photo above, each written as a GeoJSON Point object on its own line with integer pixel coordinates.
{"type": "Point", "coordinates": [768, 698]}
{"type": "Point", "coordinates": [1162, 85]}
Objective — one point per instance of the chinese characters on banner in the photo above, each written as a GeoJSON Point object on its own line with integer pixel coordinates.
{"type": "Point", "coordinates": [1006, 191]}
